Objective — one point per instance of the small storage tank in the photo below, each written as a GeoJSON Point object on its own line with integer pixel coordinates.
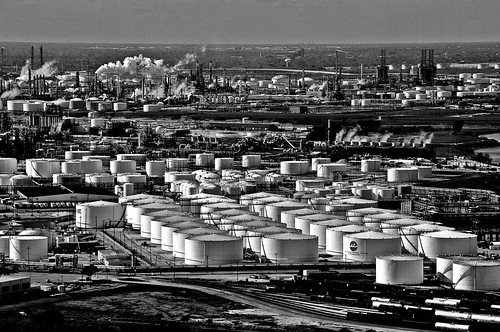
{"type": "Point", "coordinates": [249, 198]}
{"type": "Point", "coordinates": [408, 174]}
{"type": "Point", "coordinates": [105, 160]}
{"type": "Point", "coordinates": [20, 180]}
{"type": "Point", "coordinates": [224, 163]}
{"type": "Point", "coordinates": [119, 106]}
{"type": "Point", "coordinates": [205, 159]}
{"type": "Point", "coordinates": [8, 165]}
{"type": "Point", "coordinates": [155, 168]}
{"type": "Point", "coordinates": [250, 161]}
{"type": "Point", "coordinates": [28, 248]}
{"type": "Point", "coordinates": [305, 185]}
{"type": "Point", "coordinates": [294, 167]}
{"type": "Point", "coordinates": [364, 247]}
{"type": "Point", "coordinates": [399, 270]}
{"type": "Point", "coordinates": [151, 108]}
{"type": "Point", "coordinates": [180, 236]}
{"type": "Point", "coordinates": [288, 248]}
{"type": "Point", "coordinates": [214, 249]}
{"type": "Point", "coordinates": [318, 228]}
{"type": "Point", "coordinates": [288, 216]}
{"type": "Point", "coordinates": [98, 214]}
{"type": "Point", "coordinates": [476, 275]}
{"type": "Point", "coordinates": [393, 226]}
{"type": "Point", "coordinates": [273, 210]}
{"type": "Point", "coordinates": [444, 266]}
{"type": "Point", "coordinates": [331, 171]}
{"type": "Point", "coordinates": [122, 166]}
{"type": "Point", "coordinates": [334, 237]}
{"type": "Point", "coordinates": [447, 243]}
{"type": "Point", "coordinates": [370, 165]}
{"type": "Point", "coordinates": [139, 216]}
{"type": "Point", "coordinates": [176, 164]}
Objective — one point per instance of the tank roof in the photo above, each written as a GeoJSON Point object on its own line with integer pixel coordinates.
{"type": "Point", "coordinates": [450, 235]}
{"type": "Point", "coordinates": [400, 258]}
{"type": "Point", "coordinates": [351, 229]}
{"type": "Point", "coordinates": [215, 238]}
{"type": "Point", "coordinates": [300, 212]}
{"type": "Point", "coordinates": [332, 222]}
{"type": "Point", "coordinates": [374, 235]}
{"type": "Point", "coordinates": [290, 236]}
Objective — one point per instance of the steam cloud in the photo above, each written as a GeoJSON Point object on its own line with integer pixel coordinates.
{"type": "Point", "coordinates": [48, 69]}
{"type": "Point", "coordinates": [11, 94]}
{"type": "Point", "coordinates": [347, 135]}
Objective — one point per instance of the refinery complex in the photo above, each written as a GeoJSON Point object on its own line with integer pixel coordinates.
{"type": "Point", "coordinates": [365, 190]}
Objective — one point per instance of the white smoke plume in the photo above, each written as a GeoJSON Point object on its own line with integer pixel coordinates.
{"type": "Point", "coordinates": [48, 69]}
{"type": "Point", "coordinates": [188, 58]}
{"type": "Point", "coordinates": [11, 94]}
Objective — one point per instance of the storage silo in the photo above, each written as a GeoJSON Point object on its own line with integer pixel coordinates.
{"type": "Point", "coordinates": [318, 228]}
{"type": "Point", "coordinates": [139, 180]}
{"type": "Point", "coordinates": [91, 166]}
{"type": "Point", "coordinates": [180, 236]}
{"type": "Point", "coordinates": [167, 231]}
{"type": "Point", "coordinates": [288, 216]}
{"type": "Point", "coordinates": [334, 237]}
{"type": "Point", "coordinates": [370, 165]}
{"type": "Point", "coordinates": [250, 161]}
{"type": "Point", "coordinates": [476, 275]}
{"type": "Point", "coordinates": [213, 249]}
{"type": "Point", "coordinates": [204, 159]}
{"type": "Point", "coordinates": [8, 165]}
{"type": "Point", "coordinates": [364, 247]}
{"type": "Point", "coordinates": [28, 248]}
{"type": "Point", "coordinates": [399, 270]}
{"type": "Point", "coordinates": [447, 243]}
{"type": "Point", "coordinates": [410, 235]}
{"type": "Point", "coordinates": [98, 214]}
{"type": "Point", "coordinates": [294, 167]}
{"type": "Point", "coordinates": [444, 266]}
{"type": "Point", "coordinates": [273, 210]}
{"type": "Point", "coordinates": [331, 171]}
{"type": "Point", "coordinates": [122, 166]}
{"type": "Point", "coordinates": [402, 174]}
{"type": "Point", "coordinates": [224, 163]}
{"type": "Point", "coordinates": [155, 168]}
{"type": "Point", "coordinates": [289, 248]}
{"type": "Point", "coordinates": [105, 160]}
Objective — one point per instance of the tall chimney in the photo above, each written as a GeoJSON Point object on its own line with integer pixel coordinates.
{"type": "Point", "coordinates": [1, 73]}
{"type": "Point", "coordinates": [41, 56]}
{"type": "Point", "coordinates": [29, 81]}
{"type": "Point", "coordinates": [32, 56]}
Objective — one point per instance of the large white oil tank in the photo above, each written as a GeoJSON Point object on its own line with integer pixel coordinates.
{"type": "Point", "coordinates": [402, 174]}
{"type": "Point", "coordinates": [370, 165]}
{"type": "Point", "coordinates": [444, 266]}
{"type": "Point", "coordinates": [287, 248]}
{"type": "Point", "coordinates": [288, 216]}
{"type": "Point", "coordinates": [447, 243]}
{"type": "Point", "coordinates": [358, 215]}
{"type": "Point", "coordinates": [375, 220]}
{"type": "Point", "coordinates": [249, 198]}
{"type": "Point", "coordinates": [135, 178]}
{"type": "Point", "coordinates": [305, 185]}
{"type": "Point", "coordinates": [28, 248]}
{"type": "Point", "coordinates": [185, 200]}
{"type": "Point", "coordinates": [176, 164]}
{"type": "Point", "coordinates": [213, 249]}
{"type": "Point", "coordinates": [91, 166]}
{"type": "Point", "coordinates": [67, 179]}
{"type": "Point", "coordinates": [139, 158]}
{"type": "Point", "coordinates": [8, 165]}
{"type": "Point", "coordinates": [253, 238]}
{"type": "Point", "coordinates": [105, 160]}
{"type": "Point", "coordinates": [315, 162]}
{"type": "Point", "coordinates": [476, 275]}
{"type": "Point", "coordinates": [364, 247]}
{"type": "Point", "coordinates": [196, 204]}
{"type": "Point", "coordinates": [337, 209]}
{"type": "Point", "coordinates": [15, 105]}
{"type": "Point", "coordinates": [204, 159]}
{"type": "Point", "coordinates": [224, 163]}
{"type": "Point", "coordinates": [399, 270]}
{"type": "Point", "coordinates": [329, 171]}
{"type": "Point", "coordinates": [71, 167]}
{"type": "Point", "coordinates": [122, 166]}
{"type": "Point", "coordinates": [20, 180]}
{"type": "Point", "coordinates": [410, 235]}
{"type": "Point", "coordinates": [304, 222]}
{"type": "Point", "coordinates": [75, 155]}
{"type": "Point", "coordinates": [318, 228]}
{"type": "Point", "coordinates": [167, 230]}
{"type": "Point", "coordinates": [394, 226]}
{"type": "Point", "coordinates": [334, 237]}
{"type": "Point", "coordinates": [102, 180]}
{"type": "Point", "coordinates": [250, 161]}
{"type": "Point", "coordinates": [42, 168]}
{"type": "Point", "coordinates": [294, 167]}
{"type": "Point", "coordinates": [259, 205]}
{"type": "Point", "coordinates": [98, 214]}
{"type": "Point", "coordinates": [140, 217]}
{"type": "Point", "coordinates": [178, 176]}
{"type": "Point", "coordinates": [207, 211]}
{"type": "Point", "coordinates": [273, 210]}
{"type": "Point", "coordinates": [180, 236]}
{"type": "Point", "coordinates": [155, 168]}
{"type": "Point", "coordinates": [119, 106]}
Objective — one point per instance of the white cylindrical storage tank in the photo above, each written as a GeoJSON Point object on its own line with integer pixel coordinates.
{"type": "Point", "coordinates": [294, 167]}
{"type": "Point", "coordinates": [139, 158]}
{"type": "Point", "coordinates": [28, 248]}
{"type": "Point", "coordinates": [259, 205]}
{"type": "Point", "coordinates": [384, 194]}
{"type": "Point", "coordinates": [156, 230]}
{"type": "Point", "coordinates": [91, 166]}
{"type": "Point", "coordinates": [410, 235]}
{"type": "Point", "coordinates": [338, 210]}
{"type": "Point", "coordinates": [370, 165]}
{"type": "Point", "coordinates": [71, 167]}
{"type": "Point", "coordinates": [167, 231]}
{"type": "Point", "coordinates": [394, 226]}
{"type": "Point", "coordinates": [151, 108]}
{"type": "Point", "coordinates": [249, 198]}
{"type": "Point", "coordinates": [177, 163]}
{"type": "Point", "coordinates": [444, 266]}
{"type": "Point", "coordinates": [250, 161]}
{"type": "Point", "coordinates": [128, 189]}
{"type": "Point", "coordinates": [305, 185]}
{"type": "Point", "coordinates": [98, 214]}
{"type": "Point", "coordinates": [364, 247]}
{"type": "Point", "coordinates": [122, 166]}
{"type": "Point", "coordinates": [402, 174]}
{"type": "Point", "coordinates": [289, 248]}
{"type": "Point", "coordinates": [330, 171]}
{"type": "Point", "coordinates": [224, 163]}
{"type": "Point", "coordinates": [207, 211]}
{"type": "Point", "coordinates": [214, 249]}
{"type": "Point", "coordinates": [288, 216]}
{"type": "Point", "coordinates": [424, 172]}
{"type": "Point", "coordinates": [375, 220]}
{"type": "Point", "coordinates": [304, 222]}
{"type": "Point", "coordinates": [67, 179]}
{"type": "Point", "coordinates": [5, 245]}
{"type": "Point", "coordinates": [318, 228]}
{"type": "Point", "coordinates": [447, 243]}
{"type": "Point", "coordinates": [273, 210]}
{"type": "Point", "coordinates": [119, 106]}
{"type": "Point", "coordinates": [476, 275]}
{"type": "Point", "coordinates": [358, 215]}
{"type": "Point", "coordinates": [180, 236]}
{"type": "Point", "coordinates": [105, 160]}
{"type": "Point", "coordinates": [15, 105]}
{"type": "Point", "coordinates": [253, 238]}
{"type": "Point", "coordinates": [155, 168]}
{"type": "Point", "coordinates": [142, 218]}
{"type": "Point", "coordinates": [334, 237]}
{"type": "Point", "coordinates": [20, 180]}
{"type": "Point", "coordinates": [42, 168]}
{"type": "Point", "coordinates": [8, 165]}
{"type": "Point", "coordinates": [100, 180]}
{"type": "Point", "coordinates": [315, 162]}
{"type": "Point", "coordinates": [399, 270]}
{"type": "Point", "coordinates": [76, 155]}
{"type": "Point", "coordinates": [204, 159]}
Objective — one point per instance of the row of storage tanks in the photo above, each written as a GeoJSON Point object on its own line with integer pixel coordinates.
{"type": "Point", "coordinates": [91, 104]}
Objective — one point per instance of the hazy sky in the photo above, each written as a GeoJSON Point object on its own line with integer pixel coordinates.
{"type": "Point", "coordinates": [249, 21]}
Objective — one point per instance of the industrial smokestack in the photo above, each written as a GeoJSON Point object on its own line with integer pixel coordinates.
{"type": "Point", "coordinates": [1, 73]}
{"type": "Point", "coordinates": [29, 81]}
{"type": "Point", "coordinates": [32, 56]}
{"type": "Point", "coordinates": [41, 56]}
